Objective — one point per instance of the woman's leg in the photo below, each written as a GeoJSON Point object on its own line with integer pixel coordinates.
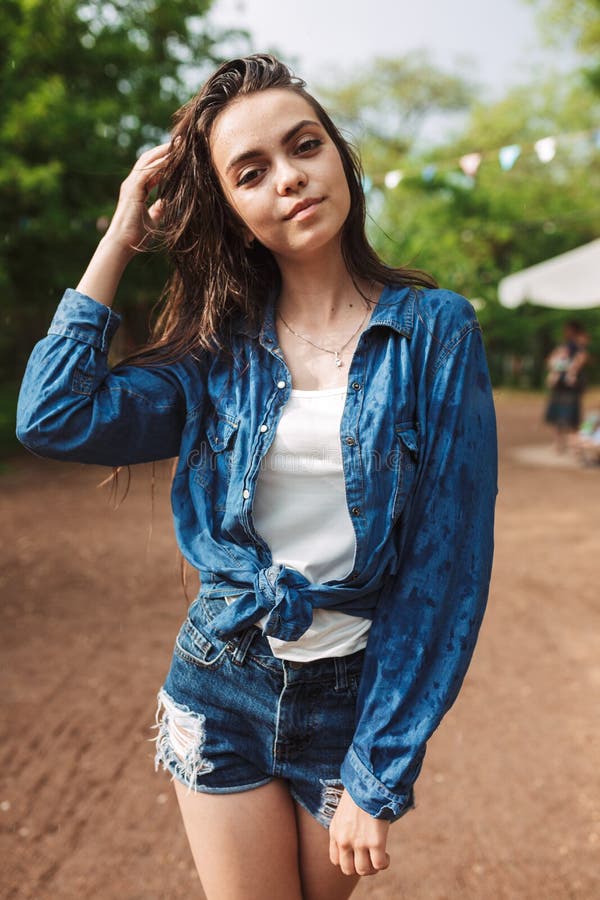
{"type": "Point", "coordinates": [245, 844]}
{"type": "Point", "coordinates": [320, 879]}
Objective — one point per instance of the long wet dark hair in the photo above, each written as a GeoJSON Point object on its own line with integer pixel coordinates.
{"type": "Point", "coordinates": [215, 275]}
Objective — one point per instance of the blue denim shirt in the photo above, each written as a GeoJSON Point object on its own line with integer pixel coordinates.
{"type": "Point", "coordinates": [419, 452]}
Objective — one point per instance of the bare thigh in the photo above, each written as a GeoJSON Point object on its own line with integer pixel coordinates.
{"type": "Point", "coordinates": [245, 844]}
{"type": "Point", "coordinates": [320, 879]}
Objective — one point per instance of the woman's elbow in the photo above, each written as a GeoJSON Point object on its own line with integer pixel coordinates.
{"type": "Point", "coordinates": [46, 434]}
{"type": "Point", "coordinates": [38, 440]}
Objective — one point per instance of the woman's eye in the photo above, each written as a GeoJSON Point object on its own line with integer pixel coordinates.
{"type": "Point", "coordinates": [304, 146]}
{"type": "Point", "coordinates": [248, 176]}
{"type": "Point", "coordinates": [310, 144]}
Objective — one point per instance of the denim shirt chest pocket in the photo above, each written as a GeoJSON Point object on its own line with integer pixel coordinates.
{"type": "Point", "coordinates": [407, 449]}
{"type": "Point", "coordinates": [214, 460]}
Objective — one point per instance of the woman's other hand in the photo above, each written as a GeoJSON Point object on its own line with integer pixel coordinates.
{"type": "Point", "coordinates": [357, 840]}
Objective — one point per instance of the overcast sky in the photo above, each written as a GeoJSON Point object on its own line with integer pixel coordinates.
{"type": "Point", "coordinates": [500, 37]}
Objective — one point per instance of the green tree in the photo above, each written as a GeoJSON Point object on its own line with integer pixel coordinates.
{"type": "Point", "coordinates": [387, 104]}
{"type": "Point", "coordinates": [474, 232]}
{"type": "Point", "coordinates": [85, 86]}
{"type": "Point", "coordinates": [575, 21]}
{"type": "Point", "coordinates": [469, 233]}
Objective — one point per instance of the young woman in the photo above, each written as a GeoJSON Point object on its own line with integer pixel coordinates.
{"type": "Point", "coordinates": [335, 484]}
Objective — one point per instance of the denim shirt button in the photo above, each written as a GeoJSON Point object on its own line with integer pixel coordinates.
{"type": "Point", "coordinates": [355, 510]}
{"type": "Point", "coordinates": [350, 441]}
{"type": "Point", "coordinates": [246, 494]}
{"type": "Point", "coordinates": [264, 427]}
{"type": "Point", "coordinates": [281, 384]}
{"type": "Point", "coordinates": [356, 385]}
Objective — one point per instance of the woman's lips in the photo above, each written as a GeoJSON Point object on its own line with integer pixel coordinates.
{"type": "Point", "coordinates": [306, 211]}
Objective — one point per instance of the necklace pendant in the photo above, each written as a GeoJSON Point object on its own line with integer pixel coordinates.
{"type": "Point", "coordinates": [338, 361]}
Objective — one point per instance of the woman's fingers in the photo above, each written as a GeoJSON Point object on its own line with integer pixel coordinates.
{"type": "Point", "coordinates": [156, 211]}
{"type": "Point", "coordinates": [147, 177]}
{"type": "Point", "coordinates": [154, 172]}
{"type": "Point", "coordinates": [334, 854]}
{"type": "Point", "coordinates": [379, 858]}
{"type": "Point", "coordinates": [363, 863]}
{"type": "Point", "coordinates": [133, 221]}
{"type": "Point", "coordinates": [347, 861]}
{"type": "Point", "coordinates": [146, 172]}
{"type": "Point", "coordinates": [148, 157]}
{"type": "Point", "coordinates": [358, 860]}
{"type": "Point", "coordinates": [357, 840]}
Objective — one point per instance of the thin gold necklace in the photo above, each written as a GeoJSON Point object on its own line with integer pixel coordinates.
{"type": "Point", "coordinates": [338, 360]}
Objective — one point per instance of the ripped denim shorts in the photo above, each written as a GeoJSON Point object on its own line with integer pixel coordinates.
{"type": "Point", "coordinates": [231, 716]}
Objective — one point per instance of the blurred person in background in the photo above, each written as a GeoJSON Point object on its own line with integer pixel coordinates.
{"type": "Point", "coordinates": [566, 380]}
{"type": "Point", "coordinates": [335, 434]}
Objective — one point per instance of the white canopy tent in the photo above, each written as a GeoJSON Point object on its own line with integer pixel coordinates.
{"type": "Point", "coordinates": [568, 281]}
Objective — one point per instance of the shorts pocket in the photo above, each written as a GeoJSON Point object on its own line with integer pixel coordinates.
{"type": "Point", "coordinates": [198, 648]}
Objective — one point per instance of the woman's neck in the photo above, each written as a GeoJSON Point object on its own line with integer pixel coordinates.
{"type": "Point", "coordinates": [318, 293]}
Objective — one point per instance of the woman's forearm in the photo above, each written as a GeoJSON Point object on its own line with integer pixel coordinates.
{"type": "Point", "coordinates": [105, 270]}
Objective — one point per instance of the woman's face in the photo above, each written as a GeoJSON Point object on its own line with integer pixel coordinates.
{"type": "Point", "coordinates": [271, 153]}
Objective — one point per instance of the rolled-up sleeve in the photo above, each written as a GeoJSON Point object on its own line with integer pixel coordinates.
{"type": "Point", "coordinates": [71, 406]}
{"type": "Point", "coordinates": [430, 609]}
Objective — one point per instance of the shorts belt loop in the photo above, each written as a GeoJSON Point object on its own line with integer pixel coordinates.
{"type": "Point", "coordinates": [341, 674]}
{"type": "Point", "coordinates": [242, 645]}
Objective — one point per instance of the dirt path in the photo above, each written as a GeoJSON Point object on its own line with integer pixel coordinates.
{"type": "Point", "coordinates": [508, 804]}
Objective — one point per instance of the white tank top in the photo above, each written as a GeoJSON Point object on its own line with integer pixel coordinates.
{"type": "Point", "coordinates": [300, 511]}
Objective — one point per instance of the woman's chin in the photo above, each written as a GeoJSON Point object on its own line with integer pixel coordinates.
{"type": "Point", "coordinates": [311, 246]}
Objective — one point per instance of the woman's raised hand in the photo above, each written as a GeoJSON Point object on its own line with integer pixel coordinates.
{"type": "Point", "coordinates": [129, 229]}
{"type": "Point", "coordinates": [133, 219]}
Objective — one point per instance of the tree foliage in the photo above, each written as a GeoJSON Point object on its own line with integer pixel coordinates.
{"type": "Point", "coordinates": [387, 105]}
{"type": "Point", "coordinates": [85, 86]}
{"type": "Point", "coordinates": [577, 21]}
{"type": "Point", "coordinates": [469, 233]}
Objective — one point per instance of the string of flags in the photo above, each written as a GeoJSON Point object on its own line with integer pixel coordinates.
{"type": "Point", "coordinates": [462, 172]}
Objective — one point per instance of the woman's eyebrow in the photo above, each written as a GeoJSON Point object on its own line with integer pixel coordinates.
{"type": "Point", "coordinates": [250, 154]}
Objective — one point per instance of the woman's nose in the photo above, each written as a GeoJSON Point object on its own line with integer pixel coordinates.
{"type": "Point", "coordinates": [290, 176]}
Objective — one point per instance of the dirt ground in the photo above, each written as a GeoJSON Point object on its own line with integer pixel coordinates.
{"type": "Point", "coordinates": [508, 804]}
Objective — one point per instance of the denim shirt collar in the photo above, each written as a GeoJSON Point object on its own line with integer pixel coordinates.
{"type": "Point", "coordinates": [395, 308]}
